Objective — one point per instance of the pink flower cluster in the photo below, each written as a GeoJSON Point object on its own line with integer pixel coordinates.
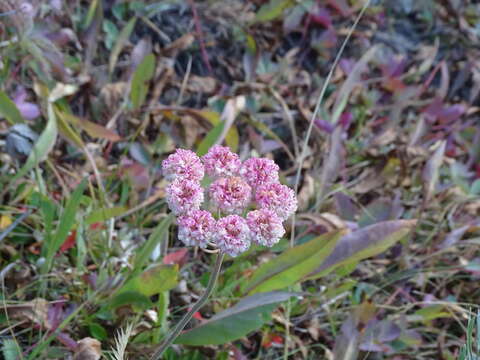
{"type": "Point", "coordinates": [236, 188]}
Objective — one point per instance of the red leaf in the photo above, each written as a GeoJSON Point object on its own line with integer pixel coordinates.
{"type": "Point", "coordinates": [321, 16]}
{"type": "Point", "coordinates": [277, 339]}
{"type": "Point", "coordinates": [198, 316]}
{"type": "Point", "coordinates": [96, 226]}
{"type": "Point", "coordinates": [177, 257]}
{"type": "Point", "coordinates": [69, 242]}
{"type": "Point", "coordinates": [341, 6]}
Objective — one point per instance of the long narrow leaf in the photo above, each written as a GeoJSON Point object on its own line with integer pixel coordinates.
{"type": "Point", "coordinates": [292, 265]}
{"type": "Point", "coordinates": [67, 220]}
{"type": "Point", "coordinates": [358, 245]}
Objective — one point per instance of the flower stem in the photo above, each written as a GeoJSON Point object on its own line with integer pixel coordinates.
{"type": "Point", "coordinates": [188, 316]}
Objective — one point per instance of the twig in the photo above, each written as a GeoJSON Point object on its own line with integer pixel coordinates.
{"type": "Point", "coordinates": [188, 316]}
{"type": "Point", "coordinates": [198, 30]}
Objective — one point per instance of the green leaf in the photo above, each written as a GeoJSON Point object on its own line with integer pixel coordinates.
{"type": "Point", "coordinates": [42, 147]}
{"type": "Point", "coordinates": [130, 298]}
{"type": "Point", "coordinates": [210, 139]}
{"type": "Point", "coordinates": [292, 265]}
{"type": "Point", "coordinates": [432, 312]}
{"type": "Point", "coordinates": [142, 75]}
{"type": "Point", "coordinates": [475, 188]}
{"type": "Point", "coordinates": [122, 39]}
{"type": "Point", "coordinates": [67, 220]}
{"type": "Point", "coordinates": [9, 110]}
{"type": "Point", "coordinates": [139, 288]}
{"type": "Point", "coordinates": [66, 129]}
{"type": "Point", "coordinates": [102, 215]}
{"type": "Point", "coordinates": [248, 315]}
{"type": "Point", "coordinates": [11, 350]}
{"type": "Point", "coordinates": [152, 281]}
{"type": "Point", "coordinates": [367, 242]}
{"type": "Point", "coordinates": [272, 10]}
{"type": "Point", "coordinates": [98, 331]}
{"type": "Point", "coordinates": [232, 137]}
{"type": "Point", "coordinates": [153, 240]}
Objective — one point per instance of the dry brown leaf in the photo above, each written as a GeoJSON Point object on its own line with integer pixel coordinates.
{"type": "Point", "coordinates": [202, 84]}
{"type": "Point", "coordinates": [191, 129]}
{"type": "Point", "coordinates": [306, 192]}
{"type": "Point", "coordinates": [35, 311]}
{"type": "Point", "coordinates": [178, 45]}
{"type": "Point", "coordinates": [371, 180]}
{"type": "Point", "coordinates": [113, 94]}
{"type": "Point", "coordinates": [88, 349]}
{"type": "Point", "coordinates": [314, 328]}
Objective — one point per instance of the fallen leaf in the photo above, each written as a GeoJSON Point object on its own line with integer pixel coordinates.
{"type": "Point", "coordinates": [88, 349]}
{"type": "Point", "coordinates": [5, 221]}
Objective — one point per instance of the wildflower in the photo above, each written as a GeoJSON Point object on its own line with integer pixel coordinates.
{"type": "Point", "coordinates": [278, 198]}
{"type": "Point", "coordinates": [259, 171]}
{"type": "Point", "coordinates": [183, 164]}
{"type": "Point", "coordinates": [220, 161]}
{"type": "Point", "coordinates": [230, 194]}
{"type": "Point", "coordinates": [196, 228]}
{"type": "Point", "coordinates": [265, 226]}
{"type": "Point", "coordinates": [232, 235]}
{"type": "Point", "coordinates": [184, 196]}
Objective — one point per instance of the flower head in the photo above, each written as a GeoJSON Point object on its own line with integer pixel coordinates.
{"type": "Point", "coordinates": [184, 196]}
{"type": "Point", "coordinates": [220, 161]}
{"type": "Point", "coordinates": [230, 194]}
{"type": "Point", "coordinates": [265, 226]}
{"type": "Point", "coordinates": [278, 198]}
{"type": "Point", "coordinates": [232, 235]}
{"type": "Point", "coordinates": [184, 164]}
{"type": "Point", "coordinates": [259, 171]}
{"type": "Point", "coordinates": [196, 228]}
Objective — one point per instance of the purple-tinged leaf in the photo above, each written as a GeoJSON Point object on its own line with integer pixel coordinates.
{"type": "Point", "coordinates": [293, 20]}
{"type": "Point", "coordinates": [367, 242]}
{"type": "Point", "coordinates": [321, 16]}
{"type": "Point", "coordinates": [454, 237]}
{"type": "Point", "coordinates": [345, 206]}
{"type": "Point", "coordinates": [346, 65]}
{"type": "Point", "coordinates": [248, 315]}
{"type": "Point", "coordinates": [324, 125]}
{"type": "Point", "coordinates": [394, 67]}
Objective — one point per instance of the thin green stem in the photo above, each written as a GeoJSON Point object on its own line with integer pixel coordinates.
{"type": "Point", "coordinates": [188, 316]}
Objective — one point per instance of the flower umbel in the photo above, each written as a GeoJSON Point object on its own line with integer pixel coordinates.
{"type": "Point", "coordinates": [265, 226]}
{"type": "Point", "coordinates": [259, 171]}
{"type": "Point", "coordinates": [232, 235]}
{"type": "Point", "coordinates": [231, 194]}
{"type": "Point", "coordinates": [220, 161]}
{"type": "Point", "coordinates": [278, 198]}
{"type": "Point", "coordinates": [184, 196]}
{"type": "Point", "coordinates": [196, 228]}
{"type": "Point", "coordinates": [183, 164]}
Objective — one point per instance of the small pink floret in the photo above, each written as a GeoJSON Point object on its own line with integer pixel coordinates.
{"type": "Point", "coordinates": [265, 226]}
{"type": "Point", "coordinates": [220, 161]}
{"type": "Point", "coordinates": [196, 228]}
{"type": "Point", "coordinates": [259, 171]}
{"type": "Point", "coordinates": [232, 235]}
{"type": "Point", "coordinates": [183, 164]}
{"type": "Point", "coordinates": [184, 196]}
{"type": "Point", "coordinates": [278, 198]}
{"type": "Point", "coordinates": [230, 194]}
